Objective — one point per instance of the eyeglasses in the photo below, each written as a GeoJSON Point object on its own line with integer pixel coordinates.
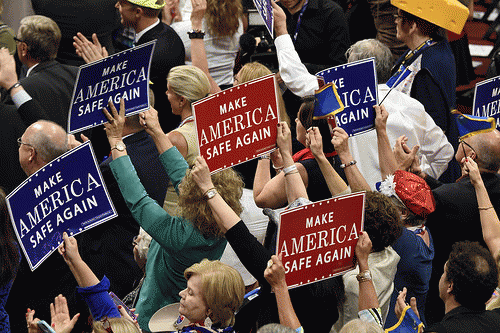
{"type": "Point", "coordinates": [397, 16]}
{"type": "Point", "coordinates": [106, 325]}
{"type": "Point", "coordinates": [134, 241]}
{"type": "Point", "coordinates": [20, 143]}
{"type": "Point", "coordinates": [468, 145]}
{"type": "Point", "coordinates": [18, 40]}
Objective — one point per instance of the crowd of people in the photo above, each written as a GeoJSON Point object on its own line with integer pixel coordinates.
{"type": "Point", "coordinates": [426, 259]}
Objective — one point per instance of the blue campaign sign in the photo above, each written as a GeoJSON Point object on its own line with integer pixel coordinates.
{"type": "Point", "coordinates": [265, 10]}
{"type": "Point", "coordinates": [68, 194]}
{"type": "Point", "coordinates": [487, 99]}
{"type": "Point", "coordinates": [121, 75]}
{"type": "Point", "coordinates": [356, 84]}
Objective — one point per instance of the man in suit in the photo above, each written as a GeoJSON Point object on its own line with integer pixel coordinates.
{"type": "Point", "coordinates": [142, 16]}
{"type": "Point", "coordinates": [47, 81]}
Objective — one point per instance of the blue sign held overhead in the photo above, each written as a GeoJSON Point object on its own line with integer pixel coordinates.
{"type": "Point", "coordinates": [121, 75]}
{"type": "Point", "coordinates": [68, 194]}
{"type": "Point", "coordinates": [487, 99]}
{"type": "Point", "coordinates": [265, 10]}
{"type": "Point", "coordinates": [356, 84]}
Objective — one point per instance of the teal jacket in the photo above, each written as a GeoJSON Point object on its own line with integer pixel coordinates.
{"type": "Point", "coordinates": [176, 243]}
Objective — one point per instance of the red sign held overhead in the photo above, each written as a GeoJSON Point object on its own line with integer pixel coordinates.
{"type": "Point", "coordinates": [318, 240]}
{"type": "Point", "coordinates": [237, 124]}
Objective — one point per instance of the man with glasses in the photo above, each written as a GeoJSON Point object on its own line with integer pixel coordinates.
{"type": "Point", "coordinates": [44, 79]}
{"type": "Point", "coordinates": [456, 217]}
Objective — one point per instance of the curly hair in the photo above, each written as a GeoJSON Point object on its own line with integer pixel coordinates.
{"type": "Point", "coordinates": [223, 17]}
{"type": "Point", "coordinates": [473, 272]}
{"type": "Point", "coordinates": [306, 114]}
{"type": "Point", "coordinates": [254, 70]}
{"type": "Point", "coordinates": [382, 220]}
{"type": "Point", "coordinates": [223, 289]}
{"type": "Point", "coordinates": [9, 253]}
{"type": "Point", "coordinates": [194, 206]}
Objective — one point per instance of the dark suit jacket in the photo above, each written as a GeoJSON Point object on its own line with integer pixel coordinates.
{"type": "Point", "coordinates": [169, 52]}
{"type": "Point", "coordinates": [13, 123]}
{"type": "Point", "coordinates": [456, 218]}
{"type": "Point", "coordinates": [51, 84]}
{"type": "Point", "coordinates": [107, 248]}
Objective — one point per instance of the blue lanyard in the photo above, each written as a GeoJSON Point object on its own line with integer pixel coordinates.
{"type": "Point", "coordinates": [299, 21]}
{"type": "Point", "coordinates": [402, 72]}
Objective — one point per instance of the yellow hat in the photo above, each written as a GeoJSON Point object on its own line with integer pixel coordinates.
{"type": "Point", "coordinates": [148, 3]}
{"type": "Point", "coordinates": [448, 14]}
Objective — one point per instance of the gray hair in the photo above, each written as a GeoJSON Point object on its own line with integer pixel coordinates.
{"type": "Point", "coordinates": [360, 326]}
{"type": "Point", "coordinates": [50, 141]}
{"type": "Point", "coordinates": [275, 328]}
{"type": "Point", "coordinates": [368, 48]}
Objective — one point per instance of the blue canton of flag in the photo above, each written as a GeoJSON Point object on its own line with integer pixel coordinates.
{"type": "Point", "coordinates": [328, 102]}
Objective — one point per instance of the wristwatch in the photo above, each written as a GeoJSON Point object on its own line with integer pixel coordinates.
{"type": "Point", "coordinates": [211, 193]}
{"type": "Point", "coordinates": [120, 146]}
{"type": "Point", "coordinates": [364, 276]}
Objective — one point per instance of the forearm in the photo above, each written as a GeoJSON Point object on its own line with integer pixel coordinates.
{"type": "Point", "coordinates": [354, 177]}
{"type": "Point", "coordinates": [294, 186]}
{"type": "Point", "coordinates": [82, 273]}
{"type": "Point", "coordinates": [387, 161]}
{"type": "Point", "coordinates": [490, 223]}
{"type": "Point", "coordinates": [262, 175]}
{"type": "Point", "coordinates": [225, 216]}
{"type": "Point", "coordinates": [161, 141]}
{"type": "Point", "coordinates": [367, 295]}
{"type": "Point", "coordinates": [285, 308]}
{"type": "Point", "coordinates": [335, 183]}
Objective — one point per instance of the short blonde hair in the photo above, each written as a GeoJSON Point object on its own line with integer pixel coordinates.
{"type": "Point", "coordinates": [118, 325]}
{"type": "Point", "coordinates": [195, 208]}
{"type": "Point", "coordinates": [222, 287]}
{"type": "Point", "coordinates": [189, 82]}
{"type": "Point", "coordinates": [253, 70]}
{"type": "Point", "coordinates": [42, 36]}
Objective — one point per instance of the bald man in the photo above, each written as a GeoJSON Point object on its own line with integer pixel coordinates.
{"type": "Point", "coordinates": [456, 217]}
{"type": "Point", "coordinates": [42, 142]}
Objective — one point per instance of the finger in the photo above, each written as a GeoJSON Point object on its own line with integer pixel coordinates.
{"type": "Point", "coordinates": [96, 40]}
{"type": "Point", "coordinates": [122, 107]}
{"type": "Point", "coordinates": [112, 107]}
{"type": "Point", "coordinates": [107, 114]}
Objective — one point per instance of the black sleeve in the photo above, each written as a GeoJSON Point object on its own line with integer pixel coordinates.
{"type": "Point", "coordinates": [251, 253]}
{"type": "Point", "coordinates": [427, 91]}
{"type": "Point", "coordinates": [31, 111]}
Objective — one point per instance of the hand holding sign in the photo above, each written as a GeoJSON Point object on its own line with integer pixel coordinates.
{"type": "Point", "coordinates": [114, 126]}
{"type": "Point", "coordinates": [284, 140]}
{"type": "Point", "coordinates": [363, 249]}
{"type": "Point", "coordinates": [69, 249]}
{"type": "Point", "coordinates": [149, 120]}
{"type": "Point", "coordinates": [279, 20]}
{"type": "Point", "coordinates": [201, 174]}
{"type": "Point", "coordinates": [275, 273]}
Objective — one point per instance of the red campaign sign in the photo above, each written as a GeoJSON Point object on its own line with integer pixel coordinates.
{"type": "Point", "coordinates": [318, 240]}
{"type": "Point", "coordinates": [237, 124]}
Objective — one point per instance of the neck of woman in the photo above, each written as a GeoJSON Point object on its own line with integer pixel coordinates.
{"type": "Point", "coordinates": [417, 41]}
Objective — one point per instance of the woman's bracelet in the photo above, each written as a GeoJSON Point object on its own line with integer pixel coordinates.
{"type": "Point", "coordinates": [291, 173]}
{"type": "Point", "coordinates": [343, 166]}
{"type": "Point", "coordinates": [485, 208]}
{"type": "Point", "coordinates": [290, 168]}
{"type": "Point", "coordinates": [277, 169]}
